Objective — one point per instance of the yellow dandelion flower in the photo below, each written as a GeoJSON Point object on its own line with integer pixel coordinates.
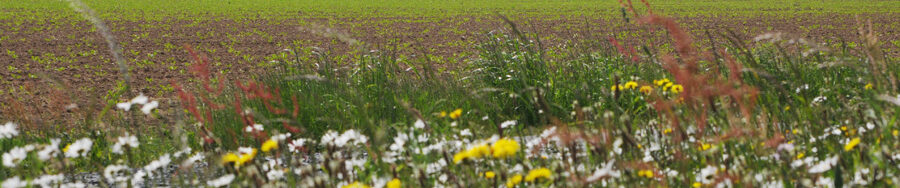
{"type": "Point", "coordinates": [456, 113]}
{"type": "Point", "coordinates": [474, 153]}
{"type": "Point", "coordinates": [540, 173]}
{"type": "Point", "coordinates": [667, 131]}
{"type": "Point", "coordinates": [896, 133]}
{"type": "Point", "coordinates": [646, 89]}
{"type": "Point", "coordinates": [646, 173]}
{"type": "Point", "coordinates": [697, 185]}
{"type": "Point", "coordinates": [243, 159]}
{"type": "Point", "coordinates": [66, 149]}
{"type": "Point", "coordinates": [230, 158]}
{"type": "Point", "coordinates": [705, 146]}
{"type": "Point", "coordinates": [355, 184]}
{"type": "Point", "coordinates": [662, 82]}
{"type": "Point", "coordinates": [514, 180]}
{"type": "Point", "coordinates": [868, 86]}
{"type": "Point", "coordinates": [851, 144]}
{"type": "Point", "coordinates": [617, 88]}
{"type": "Point", "coordinates": [481, 151]}
{"type": "Point", "coordinates": [489, 174]}
{"type": "Point", "coordinates": [269, 145]}
{"type": "Point", "coordinates": [677, 88]}
{"type": "Point", "coordinates": [800, 155]}
{"type": "Point", "coordinates": [844, 128]}
{"type": "Point", "coordinates": [459, 157]}
{"type": "Point", "coordinates": [395, 183]}
{"type": "Point", "coordinates": [443, 114]}
{"type": "Point", "coordinates": [505, 148]}
{"type": "Point", "coordinates": [631, 85]}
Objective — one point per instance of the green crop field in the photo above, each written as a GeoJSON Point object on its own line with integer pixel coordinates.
{"type": "Point", "coordinates": [458, 93]}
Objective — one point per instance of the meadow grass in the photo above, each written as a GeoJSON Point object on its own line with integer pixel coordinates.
{"type": "Point", "coordinates": [785, 112]}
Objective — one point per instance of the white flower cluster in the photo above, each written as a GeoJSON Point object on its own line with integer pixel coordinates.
{"type": "Point", "coordinates": [8, 130]}
{"type": "Point", "coordinates": [348, 137]}
{"type": "Point", "coordinates": [80, 148]}
{"type": "Point", "coordinates": [128, 140]}
{"type": "Point", "coordinates": [147, 107]}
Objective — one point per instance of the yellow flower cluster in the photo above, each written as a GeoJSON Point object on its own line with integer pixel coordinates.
{"type": "Point", "coordinates": [850, 145]}
{"type": "Point", "coordinates": [503, 148]}
{"type": "Point", "coordinates": [646, 173]}
{"type": "Point", "coordinates": [453, 115]}
{"type": "Point", "coordinates": [238, 160]}
{"type": "Point", "coordinates": [355, 184]}
{"type": "Point", "coordinates": [474, 153]}
{"type": "Point", "coordinates": [395, 183]}
{"type": "Point", "coordinates": [540, 173]}
{"type": "Point", "coordinates": [489, 174]}
{"type": "Point", "coordinates": [705, 146]}
{"type": "Point", "coordinates": [647, 89]}
{"type": "Point", "coordinates": [514, 180]}
{"type": "Point", "coordinates": [269, 145]}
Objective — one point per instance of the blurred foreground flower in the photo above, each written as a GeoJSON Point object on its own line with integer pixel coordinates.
{"type": "Point", "coordinates": [269, 145]}
{"type": "Point", "coordinates": [8, 130]}
{"type": "Point", "coordinates": [514, 180]}
{"type": "Point", "coordinates": [355, 185]}
{"type": "Point", "coordinates": [505, 148]}
{"type": "Point", "coordinates": [395, 183]}
{"type": "Point", "coordinates": [850, 145]}
{"type": "Point", "coordinates": [456, 113]}
{"type": "Point", "coordinates": [474, 153]}
{"type": "Point", "coordinates": [221, 181]}
{"type": "Point", "coordinates": [537, 174]}
{"type": "Point", "coordinates": [127, 140]}
{"type": "Point", "coordinates": [16, 155]}
{"type": "Point", "coordinates": [80, 148]}
{"type": "Point", "coordinates": [14, 182]}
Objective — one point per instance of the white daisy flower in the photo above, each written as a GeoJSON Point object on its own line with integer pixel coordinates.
{"type": "Point", "coordinates": [275, 175]}
{"type": "Point", "coordinates": [254, 128]}
{"type": "Point", "coordinates": [221, 181]}
{"type": "Point", "coordinates": [138, 178]}
{"type": "Point", "coordinates": [8, 130]}
{"type": "Point", "coordinates": [159, 163]}
{"type": "Point", "coordinates": [296, 145]}
{"type": "Point", "coordinates": [48, 180]}
{"type": "Point", "coordinates": [465, 132]}
{"type": "Point", "coordinates": [707, 175]}
{"type": "Point", "coordinates": [193, 159]}
{"type": "Point", "coordinates": [823, 166]}
{"type": "Point", "coordinates": [14, 182]}
{"type": "Point", "coordinates": [49, 151]}
{"type": "Point", "coordinates": [80, 148]}
{"type": "Point", "coordinates": [140, 99]}
{"type": "Point", "coordinates": [16, 155]}
{"type": "Point", "coordinates": [281, 137]}
{"type": "Point", "coordinates": [147, 108]}
{"type": "Point", "coordinates": [605, 171]}
{"type": "Point", "coordinates": [419, 124]}
{"type": "Point", "coordinates": [245, 150]}
{"type": "Point", "coordinates": [124, 106]}
{"type": "Point", "coordinates": [127, 140]}
{"type": "Point", "coordinates": [506, 124]}
{"type": "Point", "coordinates": [116, 173]}
{"type": "Point", "coordinates": [73, 185]}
